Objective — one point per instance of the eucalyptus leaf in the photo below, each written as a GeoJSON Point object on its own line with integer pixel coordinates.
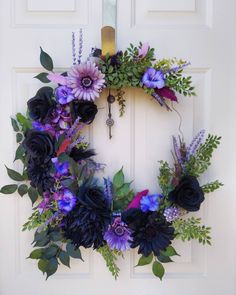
{"type": "Point", "coordinates": [14, 174]}
{"type": "Point", "coordinates": [46, 60]}
{"type": "Point", "coordinates": [9, 189]}
{"type": "Point", "coordinates": [158, 269]}
{"type": "Point", "coordinates": [42, 77]}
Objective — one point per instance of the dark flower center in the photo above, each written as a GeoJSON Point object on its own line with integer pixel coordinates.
{"type": "Point", "coordinates": [119, 231]}
{"type": "Point", "coordinates": [151, 231]}
{"type": "Point", "coordinates": [86, 82]}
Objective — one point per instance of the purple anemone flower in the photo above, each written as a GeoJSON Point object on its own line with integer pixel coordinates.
{"type": "Point", "coordinates": [150, 203]}
{"type": "Point", "coordinates": [61, 168]}
{"type": "Point", "coordinates": [118, 235]}
{"type": "Point", "coordinates": [64, 94]}
{"type": "Point", "coordinates": [153, 78]}
{"type": "Point", "coordinates": [66, 201]}
{"type": "Point", "coordinates": [86, 81]}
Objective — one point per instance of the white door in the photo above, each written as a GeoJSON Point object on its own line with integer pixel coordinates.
{"type": "Point", "coordinates": [203, 31]}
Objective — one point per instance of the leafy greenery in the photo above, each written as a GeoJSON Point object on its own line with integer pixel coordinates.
{"type": "Point", "coordinates": [9, 189]}
{"type": "Point", "coordinates": [42, 77]}
{"type": "Point", "coordinates": [199, 162]}
{"type": "Point", "coordinates": [144, 260]}
{"type": "Point", "coordinates": [158, 269]}
{"type": "Point", "coordinates": [191, 228]}
{"type": "Point", "coordinates": [211, 187]}
{"type": "Point", "coordinates": [36, 220]}
{"type": "Point", "coordinates": [122, 192]}
{"type": "Point", "coordinates": [46, 60]}
{"type": "Point", "coordinates": [165, 177]}
{"type": "Point", "coordinates": [110, 258]}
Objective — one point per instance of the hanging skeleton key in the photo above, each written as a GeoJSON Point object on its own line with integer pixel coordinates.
{"type": "Point", "coordinates": [110, 121]}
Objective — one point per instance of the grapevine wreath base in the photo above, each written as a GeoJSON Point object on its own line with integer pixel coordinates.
{"type": "Point", "coordinates": [72, 208]}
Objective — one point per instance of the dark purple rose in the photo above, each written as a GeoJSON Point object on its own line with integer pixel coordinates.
{"type": "Point", "coordinates": [64, 94]}
{"type": "Point", "coordinates": [86, 110]}
{"type": "Point", "coordinates": [153, 78]}
{"type": "Point", "coordinates": [41, 105]}
{"type": "Point", "coordinates": [187, 194]}
{"type": "Point", "coordinates": [39, 146]}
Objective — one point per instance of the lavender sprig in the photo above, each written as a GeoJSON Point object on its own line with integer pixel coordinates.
{"type": "Point", "coordinates": [80, 46]}
{"type": "Point", "coordinates": [77, 141]}
{"type": "Point", "coordinates": [108, 189]}
{"type": "Point", "coordinates": [73, 49]}
{"type": "Point", "coordinates": [177, 68]}
{"type": "Point", "coordinates": [194, 145]}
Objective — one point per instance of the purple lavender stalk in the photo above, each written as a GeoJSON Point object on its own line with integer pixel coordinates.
{"type": "Point", "coordinates": [73, 49]}
{"type": "Point", "coordinates": [194, 145]}
{"type": "Point", "coordinates": [47, 222]}
{"type": "Point", "coordinates": [80, 46]}
{"type": "Point", "coordinates": [78, 140]}
{"type": "Point", "coordinates": [73, 127]}
{"type": "Point", "coordinates": [108, 189]}
{"type": "Point", "coordinates": [177, 150]}
{"type": "Point", "coordinates": [176, 69]}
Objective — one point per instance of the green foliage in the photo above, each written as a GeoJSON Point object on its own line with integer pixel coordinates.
{"type": "Point", "coordinates": [15, 125]}
{"type": "Point", "coordinates": [122, 192]}
{"type": "Point", "coordinates": [9, 189]}
{"type": "Point", "coordinates": [169, 251]}
{"type": "Point", "coordinates": [73, 252]}
{"type": "Point", "coordinates": [165, 177]}
{"type": "Point", "coordinates": [177, 82]}
{"type": "Point", "coordinates": [158, 269]}
{"type": "Point", "coordinates": [20, 153]}
{"type": "Point", "coordinates": [42, 77]}
{"type": "Point", "coordinates": [36, 220]}
{"type": "Point", "coordinates": [14, 175]}
{"type": "Point", "coordinates": [110, 258]}
{"type": "Point", "coordinates": [191, 228]}
{"type": "Point", "coordinates": [199, 162]}
{"type": "Point", "coordinates": [24, 122]}
{"type": "Point", "coordinates": [22, 190]}
{"type": "Point", "coordinates": [33, 194]}
{"type": "Point", "coordinates": [211, 187]}
{"type": "Point", "coordinates": [144, 260]}
{"type": "Point", "coordinates": [46, 60]}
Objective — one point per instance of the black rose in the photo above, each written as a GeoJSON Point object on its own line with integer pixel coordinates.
{"type": "Point", "coordinates": [187, 194]}
{"type": "Point", "coordinates": [41, 105]}
{"type": "Point", "coordinates": [39, 146]}
{"type": "Point", "coordinates": [86, 110]}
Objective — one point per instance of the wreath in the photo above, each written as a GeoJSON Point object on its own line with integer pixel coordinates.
{"type": "Point", "coordinates": [72, 208]}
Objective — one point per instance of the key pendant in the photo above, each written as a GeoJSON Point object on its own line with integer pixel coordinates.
{"type": "Point", "coordinates": [110, 122]}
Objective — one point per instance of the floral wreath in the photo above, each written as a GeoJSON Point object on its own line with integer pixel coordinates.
{"type": "Point", "coordinates": [72, 208]}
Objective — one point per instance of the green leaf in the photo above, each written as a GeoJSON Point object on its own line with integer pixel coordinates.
{"type": "Point", "coordinates": [51, 267]}
{"type": "Point", "coordinates": [9, 189]}
{"type": "Point", "coordinates": [169, 251]}
{"type": "Point", "coordinates": [41, 239]}
{"type": "Point", "coordinates": [36, 254]}
{"type": "Point", "coordinates": [123, 191]}
{"type": "Point", "coordinates": [19, 137]}
{"type": "Point", "coordinates": [51, 251]}
{"type": "Point", "coordinates": [24, 122]}
{"type": "Point", "coordinates": [42, 265]}
{"type": "Point", "coordinates": [118, 179]}
{"type": "Point", "coordinates": [75, 253]}
{"type": "Point", "coordinates": [158, 269]}
{"type": "Point", "coordinates": [164, 259]}
{"type": "Point", "coordinates": [33, 194]}
{"type": "Point", "coordinates": [46, 60]}
{"type": "Point", "coordinates": [55, 236]}
{"type": "Point", "coordinates": [19, 153]}
{"type": "Point", "coordinates": [42, 77]}
{"type": "Point", "coordinates": [14, 125]}
{"type": "Point", "coordinates": [22, 189]}
{"type": "Point", "coordinates": [14, 174]}
{"type": "Point", "coordinates": [144, 260]}
{"type": "Point", "coordinates": [64, 258]}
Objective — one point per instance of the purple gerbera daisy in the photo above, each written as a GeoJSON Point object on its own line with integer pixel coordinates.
{"type": "Point", "coordinates": [118, 235]}
{"type": "Point", "coordinates": [86, 81]}
{"type": "Point", "coordinates": [153, 78]}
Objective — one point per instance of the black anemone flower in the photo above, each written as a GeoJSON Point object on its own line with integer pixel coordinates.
{"type": "Point", "coordinates": [39, 176]}
{"type": "Point", "coordinates": [78, 154]}
{"type": "Point", "coordinates": [86, 224]}
{"type": "Point", "coordinates": [151, 232]}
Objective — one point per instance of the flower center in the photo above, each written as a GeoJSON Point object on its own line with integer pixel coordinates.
{"type": "Point", "coordinates": [119, 231]}
{"type": "Point", "coordinates": [86, 82]}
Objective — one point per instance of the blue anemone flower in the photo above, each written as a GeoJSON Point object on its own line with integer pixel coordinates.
{"type": "Point", "coordinates": [150, 203]}
{"type": "Point", "coordinates": [153, 78]}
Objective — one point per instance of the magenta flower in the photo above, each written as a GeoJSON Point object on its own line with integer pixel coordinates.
{"type": "Point", "coordinates": [153, 78]}
{"type": "Point", "coordinates": [135, 203]}
{"type": "Point", "coordinates": [86, 81]}
{"type": "Point", "coordinates": [118, 235]}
